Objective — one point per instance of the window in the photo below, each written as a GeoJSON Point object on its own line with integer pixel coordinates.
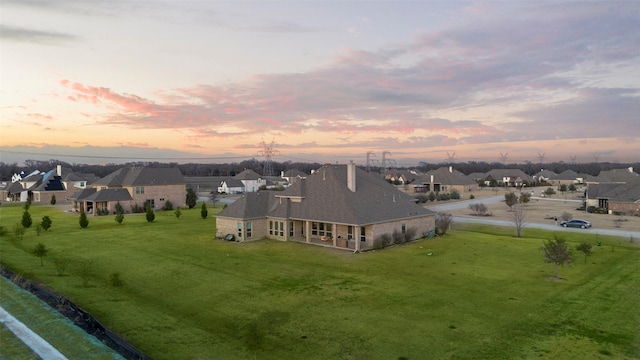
{"type": "Point", "coordinates": [270, 227]}
{"type": "Point", "coordinates": [281, 232]}
{"type": "Point", "coordinates": [362, 233]}
{"type": "Point", "coordinates": [240, 230]}
{"type": "Point", "coordinates": [249, 229]}
{"type": "Point", "coordinates": [291, 228]}
{"type": "Point", "coordinates": [152, 203]}
{"type": "Point", "coordinates": [139, 190]}
{"type": "Point", "coordinates": [314, 228]}
{"type": "Point", "coordinates": [404, 228]}
{"type": "Point", "coordinates": [350, 232]}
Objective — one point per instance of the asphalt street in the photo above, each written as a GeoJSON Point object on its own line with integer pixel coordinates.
{"type": "Point", "coordinates": [493, 199]}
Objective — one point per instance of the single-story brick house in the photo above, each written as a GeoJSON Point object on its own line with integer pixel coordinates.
{"type": "Point", "coordinates": [338, 205]}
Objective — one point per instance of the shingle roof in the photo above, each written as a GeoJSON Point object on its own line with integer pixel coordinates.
{"type": "Point", "coordinates": [326, 197]}
{"type": "Point", "coordinates": [628, 192]}
{"type": "Point", "coordinates": [247, 174]}
{"type": "Point", "coordinates": [547, 174]}
{"type": "Point", "coordinates": [511, 173]}
{"type": "Point", "coordinates": [616, 175]}
{"type": "Point", "coordinates": [14, 188]}
{"type": "Point", "coordinates": [294, 173]}
{"type": "Point", "coordinates": [567, 175]}
{"type": "Point", "coordinates": [141, 176]}
{"type": "Point", "coordinates": [232, 183]}
{"type": "Point", "coordinates": [109, 195]}
{"type": "Point", "coordinates": [445, 175]}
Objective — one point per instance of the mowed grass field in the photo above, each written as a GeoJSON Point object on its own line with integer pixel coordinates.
{"type": "Point", "coordinates": [476, 293]}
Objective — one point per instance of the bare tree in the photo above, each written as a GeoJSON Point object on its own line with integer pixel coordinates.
{"type": "Point", "coordinates": [478, 209]}
{"type": "Point", "coordinates": [518, 217]}
{"type": "Point", "coordinates": [443, 223]}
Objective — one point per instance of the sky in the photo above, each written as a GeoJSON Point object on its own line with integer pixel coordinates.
{"type": "Point", "coordinates": [325, 81]}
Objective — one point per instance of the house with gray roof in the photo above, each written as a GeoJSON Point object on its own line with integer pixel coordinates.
{"type": "Point", "coordinates": [615, 191]}
{"type": "Point", "coordinates": [41, 187]}
{"type": "Point", "coordinates": [132, 187]}
{"type": "Point", "coordinates": [231, 186]}
{"type": "Point", "coordinates": [567, 177]}
{"type": "Point", "coordinates": [338, 205]}
{"type": "Point", "coordinates": [445, 179]}
{"type": "Point", "coordinates": [507, 177]}
{"type": "Point", "coordinates": [544, 175]}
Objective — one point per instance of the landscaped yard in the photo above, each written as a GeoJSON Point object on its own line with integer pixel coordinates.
{"type": "Point", "coordinates": [477, 293]}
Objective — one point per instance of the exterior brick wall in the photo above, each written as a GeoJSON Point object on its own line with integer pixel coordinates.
{"type": "Point", "coordinates": [626, 208]}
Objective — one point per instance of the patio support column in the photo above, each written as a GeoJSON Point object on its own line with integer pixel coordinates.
{"type": "Point", "coordinates": [286, 230]}
{"type": "Point", "coordinates": [334, 233]}
{"type": "Point", "coordinates": [357, 237]}
{"type": "Point", "coordinates": [307, 230]}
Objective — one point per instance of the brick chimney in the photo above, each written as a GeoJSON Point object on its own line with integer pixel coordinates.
{"type": "Point", "coordinates": [351, 176]}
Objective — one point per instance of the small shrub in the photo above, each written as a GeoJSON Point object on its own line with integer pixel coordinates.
{"type": "Point", "coordinates": [203, 211]}
{"type": "Point", "coordinates": [443, 223]}
{"type": "Point", "coordinates": [168, 205]}
{"type": "Point", "coordinates": [53, 199]}
{"type": "Point", "coordinates": [115, 280]}
{"type": "Point", "coordinates": [40, 251]}
{"type": "Point", "coordinates": [150, 215]}
{"type": "Point", "coordinates": [591, 209]}
{"type": "Point", "coordinates": [566, 216]}
{"type": "Point", "coordinates": [119, 218]}
{"type": "Point", "coordinates": [178, 213]}
{"type": "Point", "coordinates": [85, 271]}
{"type": "Point", "coordinates": [432, 196]}
{"type": "Point", "coordinates": [60, 264]}
{"type": "Point", "coordinates": [46, 223]}
{"type": "Point", "coordinates": [455, 195]}
{"type": "Point", "coordinates": [478, 209]}
{"type": "Point", "coordinates": [84, 222]}
{"type": "Point", "coordinates": [19, 231]}
{"type": "Point", "coordinates": [471, 197]}
{"type": "Point", "coordinates": [26, 219]}
{"type": "Point", "coordinates": [410, 234]}
{"type": "Point", "coordinates": [398, 237]}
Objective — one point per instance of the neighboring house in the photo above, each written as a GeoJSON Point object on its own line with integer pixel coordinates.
{"type": "Point", "coordinates": [615, 191]}
{"type": "Point", "coordinates": [338, 205]}
{"type": "Point", "coordinates": [293, 175]}
{"type": "Point", "coordinates": [507, 177]}
{"type": "Point", "coordinates": [12, 191]}
{"type": "Point", "coordinates": [544, 176]}
{"type": "Point", "coordinates": [131, 187]}
{"type": "Point", "coordinates": [251, 182]}
{"type": "Point", "coordinates": [231, 186]}
{"type": "Point", "coordinates": [40, 186]}
{"type": "Point", "coordinates": [446, 180]}
{"type": "Point", "coordinates": [401, 177]}
{"type": "Point", "coordinates": [567, 177]}
{"type": "Point", "coordinates": [620, 176]}
{"type": "Point", "coordinates": [615, 197]}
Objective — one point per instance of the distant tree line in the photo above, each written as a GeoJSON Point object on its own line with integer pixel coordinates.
{"type": "Point", "coordinates": [257, 165]}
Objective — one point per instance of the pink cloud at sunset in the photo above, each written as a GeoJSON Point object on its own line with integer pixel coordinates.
{"type": "Point", "coordinates": [479, 79]}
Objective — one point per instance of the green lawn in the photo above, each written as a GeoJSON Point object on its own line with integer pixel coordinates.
{"type": "Point", "coordinates": [473, 294]}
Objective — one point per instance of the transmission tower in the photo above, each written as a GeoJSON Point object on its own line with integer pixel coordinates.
{"type": "Point", "coordinates": [596, 157]}
{"type": "Point", "coordinates": [503, 157]}
{"type": "Point", "coordinates": [369, 160]}
{"type": "Point", "coordinates": [451, 157]}
{"type": "Point", "coordinates": [384, 158]}
{"type": "Point", "coordinates": [268, 152]}
{"type": "Point", "coordinates": [573, 159]}
{"type": "Point", "coordinates": [541, 157]}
